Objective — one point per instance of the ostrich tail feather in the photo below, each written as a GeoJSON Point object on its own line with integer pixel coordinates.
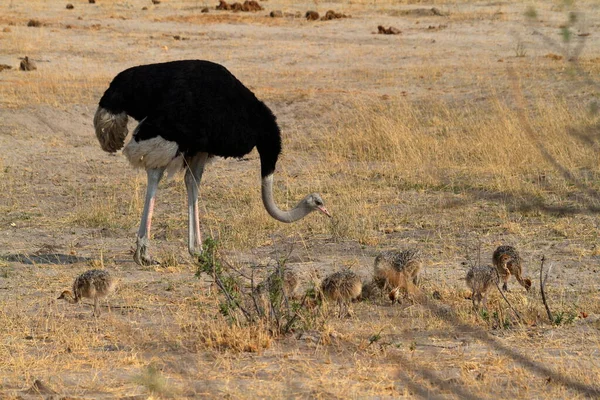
{"type": "Point", "coordinates": [111, 129]}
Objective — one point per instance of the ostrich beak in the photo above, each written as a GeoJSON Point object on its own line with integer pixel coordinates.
{"type": "Point", "coordinates": [324, 211]}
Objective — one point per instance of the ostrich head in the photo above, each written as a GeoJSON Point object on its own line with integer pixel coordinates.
{"type": "Point", "coordinates": [67, 296]}
{"type": "Point", "coordinates": [314, 202]}
{"type": "Point", "coordinates": [504, 259]}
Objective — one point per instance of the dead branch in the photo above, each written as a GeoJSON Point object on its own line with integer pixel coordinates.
{"type": "Point", "coordinates": [543, 289]}
{"type": "Point", "coordinates": [514, 310]}
{"type": "Point", "coordinates": [291, 321]}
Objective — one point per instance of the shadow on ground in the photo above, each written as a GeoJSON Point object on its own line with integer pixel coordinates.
{"type": "Point", "coordinates": [52, 258]}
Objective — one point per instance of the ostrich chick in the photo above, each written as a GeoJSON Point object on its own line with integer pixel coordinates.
{"type": "Point", "coordinates": [288, 282]}
{"type": "Point", "coordinates": [93, 284]}
{"type": "Point", "coordinates": [508, 262]}
{"type": "Point", "coordinates": [480, 279]}
{"type": "Point", "coordinates": [342, 287]}
{"type": "Point", "coordinates": [397, 269]}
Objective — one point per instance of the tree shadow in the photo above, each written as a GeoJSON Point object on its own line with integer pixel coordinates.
{"type": "Point", "coordinates": [483, 336]}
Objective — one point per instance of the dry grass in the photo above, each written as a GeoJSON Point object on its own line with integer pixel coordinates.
{"type": "Point", "coordinates": [419, 140]}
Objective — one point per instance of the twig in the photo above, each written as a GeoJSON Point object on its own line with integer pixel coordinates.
{"type": "Point", "coordinates": [254, 295]}
{"type": "Point", "coordinates": [290, 323]}
{"type": "Point", "coordinates": [111, 306]}
{"type": "Point", "coordinates": [230, 299]}
{"type": "Point", "coordinates": [505, 299]}
{"type": "Point", "coordinates": [543, 289]}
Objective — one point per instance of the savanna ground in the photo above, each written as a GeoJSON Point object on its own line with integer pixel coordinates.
{"type": "Point", "coordinates": [468, 130]}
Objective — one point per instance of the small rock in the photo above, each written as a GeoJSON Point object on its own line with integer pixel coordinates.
{"type": "Point", "coordinates": [144, 8]}
{"type": "Point", "coordinates": [223, 5]}
{"type": "Point", "coordinates": [70, 6]}
{"type": "Point", "coordinates": [329, 15]}
{"type": "Point", "coordinates": [155, 1]}
{"type": "Point", "coordinates": [251, 5]}
{"type": "Point", "coordinates": [4, 66]}
{"type": "Point", "coordinates": [312, 15]}
{"type": "Point", "coordinates": [92, 1]}
{"type": "Point", "coordinates": [388, 31]}
{"type": "Point", "coordinates": [34, 23]}
{"type": "Point", "coordinates": [204, 10]}
{"type": "Point", "coordinates": [276, 14]}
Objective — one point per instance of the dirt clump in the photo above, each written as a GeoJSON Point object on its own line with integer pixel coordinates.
{"type": "Point", "coordinates": [27, 64]}
{"type": "Point", "coordinates": [223, 5]}
{"type": "Point", "coordinates": [423, 12]}
{"type": "Point", "coordinates": [251, 6]}
{"type": "Point", "coordinates": [312, 15]}
{"type": "Point", "coordinates": [248, 6]}
{"type": "Point", "coordinates": [388, 31]}
{"type": "Point", "coordinates": [329, 15]}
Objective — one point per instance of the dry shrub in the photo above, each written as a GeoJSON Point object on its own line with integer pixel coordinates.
{"type": "Point", "coordinates": [222, 335]}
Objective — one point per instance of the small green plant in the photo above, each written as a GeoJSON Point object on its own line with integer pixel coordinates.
{"type": "Point", "coordinates": [210, 263]}
{"type": "Point", "coordinates": [500, 321]}
{"type": "Point", "coordinates": [531, 13]}
{"type": "Point", "coordinates": [266, 304]}
{"type": "Point", "coordinates": [484, 314]}
{"type": "Point", "coordinates": [564, 318]}
{"type": "Point", "coordinates": [153, 379]}
{"type": "Point", "coordinates": [375, 338]}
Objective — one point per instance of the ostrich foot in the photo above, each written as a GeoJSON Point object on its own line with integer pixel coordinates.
{"type": "Point", "coordinates": [141, 256]}
{"type": "Point", "coordinates": [195, 253]}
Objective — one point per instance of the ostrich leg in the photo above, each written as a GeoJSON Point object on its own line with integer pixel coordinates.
{"type": "Point", "coordinates": [141, 256]}
{"type": "Point", "coordinates": [193, 175]}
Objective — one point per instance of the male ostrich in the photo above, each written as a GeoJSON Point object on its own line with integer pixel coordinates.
{"type": "Point", "coordinates": [189, 111]}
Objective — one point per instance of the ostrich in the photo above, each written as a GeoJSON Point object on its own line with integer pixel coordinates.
{"type": "Point", "coordinates": [286, 279]}
{"type": "Point", "coordinates": [480, 279]}
{"type": "Point", "coordinates": [188, 112]}
{"type": "Point", "coordinates": [342, 286]}
{"type": "Point", "coordinates": [93, 284]}
{"type": "Point", "coordinates": [508, 262]}
{"type": "Point", "coordinates": [394, 269]}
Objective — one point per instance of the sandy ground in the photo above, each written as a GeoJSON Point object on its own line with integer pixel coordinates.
{"type": "Point", "coordinates": [55, 179]}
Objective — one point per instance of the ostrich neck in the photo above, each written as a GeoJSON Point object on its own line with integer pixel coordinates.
{"type": "Point", "coordinates": [292, 215]}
